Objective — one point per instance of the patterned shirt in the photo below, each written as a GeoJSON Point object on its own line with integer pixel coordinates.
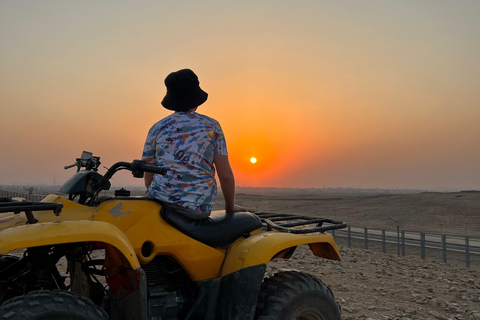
{"type": "Point", "coordinates": [185, 143]}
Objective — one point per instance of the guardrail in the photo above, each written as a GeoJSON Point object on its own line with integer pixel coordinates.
{"type": "Point", "coordinates": [402, 239]}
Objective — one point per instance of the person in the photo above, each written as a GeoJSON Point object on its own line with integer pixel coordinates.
{"type": "Point", "coordinates": [191, 146]}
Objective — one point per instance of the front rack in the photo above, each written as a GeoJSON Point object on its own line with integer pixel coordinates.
{"type": "Point", "coordinates": [287, 223]}
{"type": "Point", "coordinates": [10, 205]}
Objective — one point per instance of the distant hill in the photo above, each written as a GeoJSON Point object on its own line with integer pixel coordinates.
{"type": "Point", "coordinates": [320, 191]}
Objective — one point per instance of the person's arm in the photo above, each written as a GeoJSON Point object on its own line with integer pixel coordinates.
{"type": "Point", "coordinates": [148, 156]}
{"type": "Point", "coordinates": [227, 182]}
{"type": "Point", "coordinates": [148, 178]}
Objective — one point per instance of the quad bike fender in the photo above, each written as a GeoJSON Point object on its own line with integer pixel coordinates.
{"type": "Point", "coordinates": [263, 247]}
{"type": "Point", "coordinates": [51, 233]}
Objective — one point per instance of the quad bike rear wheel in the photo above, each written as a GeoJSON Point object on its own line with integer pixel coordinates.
{"type": "Point", "coordinates": [51, 305]}
{"type": "Point", "coordinates": [294, 295]}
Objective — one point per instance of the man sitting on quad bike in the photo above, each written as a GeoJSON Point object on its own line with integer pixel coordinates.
{"type": "Point", "coordinates": [121, 257]}
{"type": "Point", "coordinates": [191, 146]}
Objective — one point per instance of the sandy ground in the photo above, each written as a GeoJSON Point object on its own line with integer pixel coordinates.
{"type": "Point", "coordinates": [374, 285]}
{"type": "Point", "coordinates": [371, 285]}
{"type": "Point", "coordinates": [456, 213]}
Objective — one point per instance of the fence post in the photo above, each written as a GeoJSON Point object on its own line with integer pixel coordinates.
{"type": "Point", "coordinates": [349, 236]}
{"type": "Point", "coordinates": [403, 243]}
{"type": "Point", "coordinates": [384, 244]}
{"type": "Point", "coordinates": [366, 238]}
{"type": "Point", "coordinates": [467, 252]}
{"type": "Point", "coordinates": [398, 240]}
{"type": "Point", "coordinates": [444, 248]}
{"type": "Point", "coordinates": [422, 245]}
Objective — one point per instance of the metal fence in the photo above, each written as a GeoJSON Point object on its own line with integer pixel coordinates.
{"type": "Point", "coordinates": [26, 196]}
{"type": "Point", "coordinates": [439, 246]}
{"type": "Point", "coordinates": [403, 242]}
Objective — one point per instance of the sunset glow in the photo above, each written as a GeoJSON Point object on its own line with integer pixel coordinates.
{"type": "Point", "coordinates": [322, 93]}
{"type": "Point", "coordinates": [253, 160]}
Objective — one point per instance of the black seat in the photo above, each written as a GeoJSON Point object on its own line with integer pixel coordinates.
{"type": "Point", "coordinates": [220, 229]}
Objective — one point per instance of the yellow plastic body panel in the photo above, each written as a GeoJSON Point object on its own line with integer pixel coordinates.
{"type": "Point", "coordinates": [136, 220]}
{"type": "Point", "coordinates": [71, 211]}
{"type": "Point", "coordinates": [262, 247]}
{"type": "Point", "coordinates": [141, 222]}
{"type": "Point", "coordinates": [130, 223]}
{"type": "Point", "coordinates": [49, 233]}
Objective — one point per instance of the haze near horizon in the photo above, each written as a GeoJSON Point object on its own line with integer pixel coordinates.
{"type": "Point", "coordinates": [365, 94]}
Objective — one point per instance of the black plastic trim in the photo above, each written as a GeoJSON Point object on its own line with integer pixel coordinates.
{"type": "Point", "coordinates": [286, 223]}
{"type": "Point", "coordinates": [21, 206]}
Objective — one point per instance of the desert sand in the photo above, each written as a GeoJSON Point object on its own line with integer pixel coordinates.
{"type": "Point", "coordinates": [430, 212]}
{"type": "Point", "coordinates": [373, 285]}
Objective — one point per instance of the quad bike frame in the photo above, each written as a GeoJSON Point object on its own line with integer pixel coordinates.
{"type": "Point", "coordinates": [155, 265]}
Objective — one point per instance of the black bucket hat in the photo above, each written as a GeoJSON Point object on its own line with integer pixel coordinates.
{"type": "Point", "coordinates": [183, 91]}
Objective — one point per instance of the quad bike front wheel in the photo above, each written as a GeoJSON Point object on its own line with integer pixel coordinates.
{"type": "Point", "coordinates": [51, 305]}
{"type": "Point", "coordinates": [294, 295]}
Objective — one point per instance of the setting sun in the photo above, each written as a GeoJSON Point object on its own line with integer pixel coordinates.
{"type": "Point", "coordinates": [253, 160]}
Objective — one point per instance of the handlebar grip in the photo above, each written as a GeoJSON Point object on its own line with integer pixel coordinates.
{"type": "Point", "coordinates": [70, 166]}
{"type": "Point", "coordinates": [140, 165]}
{"type": "Point", "coordinates": [154, 169]}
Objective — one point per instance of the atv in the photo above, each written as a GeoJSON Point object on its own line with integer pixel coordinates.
{"type": "Point", "coordinates": [92, 256]}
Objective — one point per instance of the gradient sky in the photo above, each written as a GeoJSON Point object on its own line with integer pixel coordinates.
{"type": "Point", "coordinates": [323, 93]}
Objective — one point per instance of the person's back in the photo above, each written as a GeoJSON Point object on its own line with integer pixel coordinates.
{"type": "Point", "coordinates": [185, 143]}
{"type": "Point", "coordinates": [190, 146]}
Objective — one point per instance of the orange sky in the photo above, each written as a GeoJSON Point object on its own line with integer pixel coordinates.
{"type": "Point", "coordinates": [322, 93]}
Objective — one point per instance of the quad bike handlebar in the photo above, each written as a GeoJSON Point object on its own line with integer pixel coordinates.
{"type": "Point", "coordinates": [88, 183]}
{"type": "Point", "coordinates": [70, 166]}
{"type": "Point", "coordinates": [137, 167]}
{"type": "Point", "coordinates": [87, 161]}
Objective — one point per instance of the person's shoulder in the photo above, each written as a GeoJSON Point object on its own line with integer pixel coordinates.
{"type": "Point", "coordinates": [161, 123]}
{"type": "Point", "coordinates": [207, 119]}
{"type": "Point", "coordinates": [164, 120]}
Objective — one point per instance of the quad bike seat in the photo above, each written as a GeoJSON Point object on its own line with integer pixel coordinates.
{"type": "Point", "coordinates": [220, 229]}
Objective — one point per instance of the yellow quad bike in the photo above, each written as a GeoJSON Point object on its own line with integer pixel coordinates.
{"type": "Point", "coordinates": [122, 257]}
